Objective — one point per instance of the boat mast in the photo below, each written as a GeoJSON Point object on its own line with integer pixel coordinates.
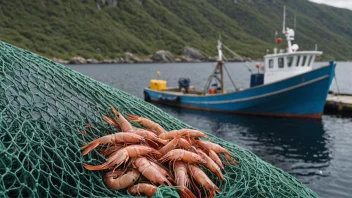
{"type": "Point", "coordinates": [220, 63]}
{"type": "Point", "coordinates": [284, 21]}
{"type": "Point", "coordinates": [289, 33]}
{"type": "Point", "coordinates": [217, 75]}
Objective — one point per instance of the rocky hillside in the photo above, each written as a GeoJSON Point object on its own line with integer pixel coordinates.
{"type": "Point", "coordinates": [100, 29]}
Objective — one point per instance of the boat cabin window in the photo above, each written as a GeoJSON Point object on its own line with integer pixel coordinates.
{"type": "Point", "coordinates": [271, 63]}
{"type": "Point", "coordinates": [298, 60]}
{"type": "Point", "coordinates": [281, 63]}
{"type": "Point", "coordinates": [304, 61]}
{"type": "Point", "coordinates": [310, 60]}
{"type": "Point", "coordinates": [289, 61]}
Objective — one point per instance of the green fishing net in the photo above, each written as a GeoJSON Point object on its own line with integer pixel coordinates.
{"type": "Point", "coordinates": [49, 111]}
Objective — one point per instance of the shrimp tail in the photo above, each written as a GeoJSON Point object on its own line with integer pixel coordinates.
{"type": "Point", "coordinates": [92, 167]}
{"type": "Point", "coordinates": [110, 163]}
{"type": "Point", "coordinates": [112, 122]}
{"type": "Point", "coordinates": [89, 147]}
{"type": "Point", "coordinates": [186, 193]}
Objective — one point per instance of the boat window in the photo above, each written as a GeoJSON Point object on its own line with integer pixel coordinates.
{"type": "Point", "coordinates": [310, 61]}
{"type": "Point", "coordinates": [281, 63]}
{"type": "Point", "coordinates": [289, 61]}
{"type": "Point", "coordinates": [271, 63]}
{"type": "Point", "coordinates": [298, 59]}
{"type": "Point", "coordinates": [304, 61]}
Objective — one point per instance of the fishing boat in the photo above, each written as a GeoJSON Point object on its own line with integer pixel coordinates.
{"type": "Point", "coordinates": [288, 86]}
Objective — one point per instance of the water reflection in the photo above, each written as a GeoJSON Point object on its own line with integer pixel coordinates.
{"type": "Point", "coordinates": [298, 146]}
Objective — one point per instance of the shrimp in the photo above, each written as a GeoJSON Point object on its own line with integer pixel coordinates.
{"type": "Point", "coordinates": [121, 182]}
{"type": "Point", "coordinates": [211, 165]}
{"type": "Point", "coordinates": [181, 175]}
{"type": "Point", "coordinates": [149, 135]}
{"type": "Point", "coordinates": [203, 180]}
{"type": "Point", "coordinates": [124, 124]}
{"type": "Point", "coordinates": [151, 172]}
{"type": "Point", "coordinates": [123, 155]}
{"type": "Point", "coordinates": [171, 145]}
{"type": "Point", "coordinates": [113, 138]}
{"type": "Point", "coordinates": [183, 155]}
{"type": "Point", "coordinates": [216, 158]}
{"type": "Point", "coordinates": [143, 189]}
{"type": "Point", "coordinates": [182, 132]}
{"type": "Point", "coordinates": [147, 123]}
{"type": "Point", "coordinates": [211, 146]}
{"type": "Point", "coordinates": [182, 179]}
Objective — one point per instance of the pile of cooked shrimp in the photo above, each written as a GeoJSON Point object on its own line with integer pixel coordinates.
{"type": "Point", "coordinates": [141, 159]}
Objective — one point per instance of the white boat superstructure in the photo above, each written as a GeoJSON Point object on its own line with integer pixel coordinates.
{"type": "Point", "coordinates": [289, 62]}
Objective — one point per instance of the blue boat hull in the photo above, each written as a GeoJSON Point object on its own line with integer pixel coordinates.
{"type": "Point", "coordinates": [303, 95]}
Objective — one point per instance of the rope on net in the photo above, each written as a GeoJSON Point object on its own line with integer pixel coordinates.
{"type": "Point", "coordinates": [44, 111]}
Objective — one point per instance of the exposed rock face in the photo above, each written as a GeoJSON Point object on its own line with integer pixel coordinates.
{"type": "Point", "coordinates": [107, 61]}
{"type": "Point", "coordinates": [193, 53]}
{"type": "Point", "coordinates": [178, 60]}
{"type": "Point", "coordinates": [60, 61]}
{"type": "Point", "coordinates": [130, 58]}
{"type": "Point", "coordinates": [162, 56]}
{"type": "Point", "coordinates": [147, 60]}
{"type": "Point", "coordinates": [92, 61]}
{"type": "Point", "coordinates": [189, 60]}
{"type": "Point", "coordinates": [116, 60]}
{"type": "Point", "coordinates": [78, 60]}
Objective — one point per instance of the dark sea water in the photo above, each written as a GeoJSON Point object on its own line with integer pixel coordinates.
{"type": "Point", "coordinates": [317, 152]}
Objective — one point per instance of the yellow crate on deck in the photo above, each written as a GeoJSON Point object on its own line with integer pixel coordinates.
{"type": "Point", "coordinates": [158, 85]}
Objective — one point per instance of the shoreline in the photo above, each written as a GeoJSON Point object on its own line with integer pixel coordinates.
{"type": "Point", "coordinates": [140, 63]}
{"type": "Point", "coordinates": [135, 60]}
{"type": "Point", "coordinates": [190, 55]}
{"type": "Point", "coordinates": [82, 61]}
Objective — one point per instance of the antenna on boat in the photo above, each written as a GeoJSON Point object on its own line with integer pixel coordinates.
{"type": "Point", "coordinates": [284, 21]}
{"type": "Point", "coordinates": [289, 33]}
{"type": "Point", "coordinates": [219, 51]}
{"type": "Point", "coordinates": [294, 25]}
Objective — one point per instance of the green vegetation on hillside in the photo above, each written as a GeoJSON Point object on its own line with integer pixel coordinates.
{"type": "Point", "coordinates": [67, 28]}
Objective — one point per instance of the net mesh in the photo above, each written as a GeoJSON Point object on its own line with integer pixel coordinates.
{"type": "Point", "coordinates": [45, 108]}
